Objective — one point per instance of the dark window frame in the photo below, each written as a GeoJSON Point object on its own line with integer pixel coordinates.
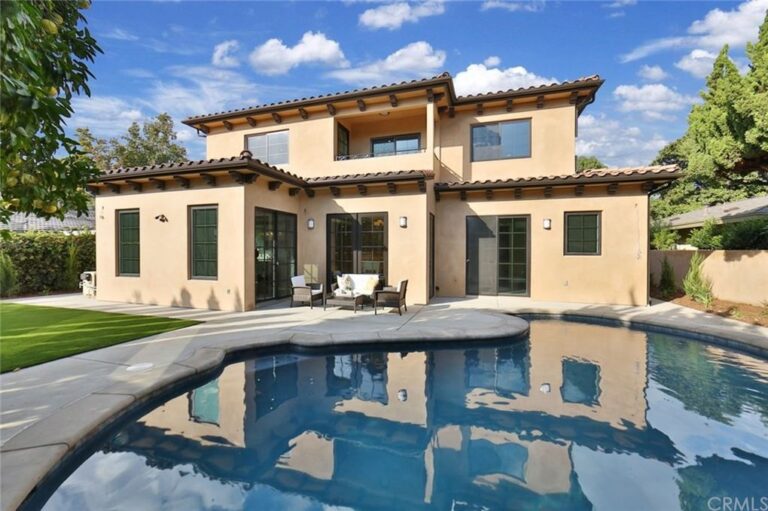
{"type": "Point", "coordinates": [529, 120]}
{"type": "Point", "coordinates": [339, 128]}
{"type": "Point", "coordinates": [599, 247]}
{"type": "Point", "coordinates": [118, 241]}
{"type": "Point", "coordinates": [295, 243]}
{"type": "Point", "coordinates": [191, 242]}
{"type": "Point", "coordinates": [288, 154]}
{"type": "Point", "coordinates": [356, 242]}
{"type": "Point", "coordinates": [527, 218]}
{"type": "Point", "coordinates": [395, 138]}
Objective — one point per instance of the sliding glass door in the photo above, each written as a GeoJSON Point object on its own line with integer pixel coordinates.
{"type": "Point", "coordinates": [275, 240]}
{"type": "Point", "coordinates": [497, 255]}
{"type": "Point", "coordinates": [357, 243]}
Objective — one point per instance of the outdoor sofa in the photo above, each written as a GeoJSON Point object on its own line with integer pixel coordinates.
{"type": "Point", "coordinates": [352, 289]}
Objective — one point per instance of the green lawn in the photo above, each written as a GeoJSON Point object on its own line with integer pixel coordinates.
{"type": "Point", "coordinates": [31, 335]}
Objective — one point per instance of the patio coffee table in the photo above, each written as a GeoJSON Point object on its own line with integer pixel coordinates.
{"type": "Point", "coordinates": [344, 301]}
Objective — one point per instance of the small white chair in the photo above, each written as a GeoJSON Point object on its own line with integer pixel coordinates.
{"type": "Point", "coordinates": [302, 292]}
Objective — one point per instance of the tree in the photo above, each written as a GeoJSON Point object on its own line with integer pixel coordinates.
{"type": "Point", "coordinates": [725, 150]}
{"type": "Point", "coordinates": [588, 163]}
{"type": "Point", "coordinates": [45, 50]}
{"type": "Point", "coordinates": [152, 144]}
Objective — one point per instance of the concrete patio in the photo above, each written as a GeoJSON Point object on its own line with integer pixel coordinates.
{"type": "Point", "coordinates": [50, 409]}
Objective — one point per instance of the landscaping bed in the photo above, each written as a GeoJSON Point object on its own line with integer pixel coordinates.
{"type": "Point", "coordinates": [31, 334]}
{"type": "Point", "coordinates": [752, 314]}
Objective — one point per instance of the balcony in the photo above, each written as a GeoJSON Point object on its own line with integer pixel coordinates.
{"type": "Point", "coordinates": [396, 139]}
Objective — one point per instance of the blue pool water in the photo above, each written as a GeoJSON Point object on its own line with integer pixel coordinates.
{"type": "Point", "coordinates": [573, 416]}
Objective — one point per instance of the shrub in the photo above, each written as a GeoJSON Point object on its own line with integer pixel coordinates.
{"type": "Point", "coordinates": [8, 275]}
{"type": "Point", "coordinates": [695, 284]}
{"type": "Point", "coordinates": [707, 237]}
{"type": "Point", "coordinates": [747, 235]}
{"type": "Point", "coordinates": [667, 281]}
{"type": "Point", "coordinates": [662, 237]}
{"type": "Point", "coordinates": [47, 262]}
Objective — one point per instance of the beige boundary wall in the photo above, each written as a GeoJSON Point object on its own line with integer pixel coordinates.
{"type": "Point", "coordinates": [736, 275]}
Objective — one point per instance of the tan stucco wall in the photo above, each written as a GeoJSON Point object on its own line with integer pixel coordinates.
{"type": "Point", "coordinates": [164, 278]}
{"type": "Point", "coordinates": [553, 144]}
{"type": "Point", "coordinates": [407, 247]}
{"type": "Point", "coordinates": [736, 275]}
{"type": "Point", "coordinates": [618, 275]}
{"type": "Point", "coordinates": [312, 142]}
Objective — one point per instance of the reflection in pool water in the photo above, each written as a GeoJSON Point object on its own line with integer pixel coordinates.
{"type": "Point", "coordinates": [577, 416]}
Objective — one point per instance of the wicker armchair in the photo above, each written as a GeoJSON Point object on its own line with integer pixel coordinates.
{"type": "Point", "coordinates": [391, 297]}
{"type": "Point", "coordinates": [302, 292]}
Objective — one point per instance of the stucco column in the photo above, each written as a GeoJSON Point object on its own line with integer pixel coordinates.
{"type": "Point", "coordinates": [430, 145]}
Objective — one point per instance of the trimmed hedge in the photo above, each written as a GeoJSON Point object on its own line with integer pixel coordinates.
{"type": "Point", "coordinates": [46, 262]}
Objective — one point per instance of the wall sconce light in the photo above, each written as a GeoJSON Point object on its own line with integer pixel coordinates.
{"type": "Point", "coordinates": [161, 218]}
{"type": "Point", "coordinates": [311, 224]}
{"type": "Point", "coordinates": [403, 222]}
{"type": "Point", "coordinates": [547, 223]}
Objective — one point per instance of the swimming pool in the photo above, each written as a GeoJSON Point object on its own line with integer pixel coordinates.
{"type": "Point", "coordinates": [571, 416]}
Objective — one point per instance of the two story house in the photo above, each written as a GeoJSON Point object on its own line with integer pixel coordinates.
{"type": "Point", "coordinates": [461, 195]}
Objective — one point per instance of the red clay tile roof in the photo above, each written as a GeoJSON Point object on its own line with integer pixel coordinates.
{"type": "Point", "coordinates": [649, 173]}
{"type": "Point", "coordinates": [396, 175]}
{"type": "Point", "coordinates": [257, 166]}
{"type": "Point", "coordinates": [444, 79]}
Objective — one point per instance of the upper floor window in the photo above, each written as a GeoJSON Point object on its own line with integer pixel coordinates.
{"type": "Point", "coordinates": [271, 148]}
{"type": "Point", "coordinates": [396, 144]}
{"type": "Point", "coordinates": [128, 247]}
{"type": "Point", "coordinates": [501, 140]}
{"type": "Point", "coordinates": [342, 141]}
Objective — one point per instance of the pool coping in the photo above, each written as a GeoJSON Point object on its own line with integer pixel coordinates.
{"type": "Point", "coordinates": [32, 462]}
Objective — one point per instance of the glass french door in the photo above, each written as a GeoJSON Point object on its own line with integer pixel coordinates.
{"type": "Point", "coordinates": [497, 255]}
{"type": "Point", "coordinates": [357, 243]}
{"type": "Point", "coordinates": [275, 241]}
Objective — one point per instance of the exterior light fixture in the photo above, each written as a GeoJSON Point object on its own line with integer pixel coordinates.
{"type": "Point", "coordinates": [311, 224]}
{"type": "Point", "coordinates": [547, 223]}
{"type": "Point", "coordinates": [403, 222]}
{"type": "Point", "coordinates": [161, 218]}
{"type": "Point", "coordinates": [402, 395]}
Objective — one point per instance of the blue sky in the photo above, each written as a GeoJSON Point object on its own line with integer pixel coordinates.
{"type": "Point", "coordinates": [188, 58]}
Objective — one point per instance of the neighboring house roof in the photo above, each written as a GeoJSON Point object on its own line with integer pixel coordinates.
{"type": "Point", "coordinates": [595, 176]}
{"type": "Point", "coordinates": [20, 222]}
{"type": "Point", "coordinates": [443, 79]}
{"type": "Point", "coordinates": [729, 212]}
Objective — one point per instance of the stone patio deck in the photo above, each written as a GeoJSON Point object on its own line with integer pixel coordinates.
{"type": "Point", "coordinates": [48, 410]}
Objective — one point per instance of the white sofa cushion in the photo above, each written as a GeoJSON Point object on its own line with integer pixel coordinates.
{"type": "Point", "coordinates": [298, 281]}
{"type": "Point", "coordinates": [356, 284]}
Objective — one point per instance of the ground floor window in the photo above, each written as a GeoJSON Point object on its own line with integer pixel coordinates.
{"type": "Point", "coordinates": [357, 243]}
{"type": "Point", "coordinates": [582, 233]}
{"type": "Point", "coordinates": [203, 242]}
{"type": "Point", "coordinates": [128, 247]}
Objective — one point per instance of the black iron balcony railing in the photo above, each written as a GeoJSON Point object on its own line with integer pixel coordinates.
{"type": "Point", "coordinates": [360, 156]}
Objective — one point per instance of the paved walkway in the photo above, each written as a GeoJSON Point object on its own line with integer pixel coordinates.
{"type": "Point", "coordinates": [48, 410]}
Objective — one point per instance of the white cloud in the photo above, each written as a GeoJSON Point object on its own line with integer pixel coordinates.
{"type": "Point", "coordinates": [514, 6]}
{"type": "Point", "coordinates": [479, 78]}
{"type": "Point", "coordinates": [415, 60]}
{"type": "Point", "coordinates": [492, 61]}
{"type": "Point", "coordinates": [615, 143]}
{"type": "Point", "coordinates": [275, 58]}
{"type": "Point", "coordinates": [654, 101]}
{"type": "Point", "coordinates": [698, 63]}
{"type": "Point", "coordinates": [120, 35]}
{"type": "Point", "coordinates": [652, 73]}
{"type": "Point", "coordinates": [735, 28]}
{"type": "Point", "coordinates": [618, 4]}
{"type": "Point", "coordinates": [222, 54]}
{"type": "Point", "coordinates": [392, 16]}
{"type": "Point", "coordinates": [106, 116]}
